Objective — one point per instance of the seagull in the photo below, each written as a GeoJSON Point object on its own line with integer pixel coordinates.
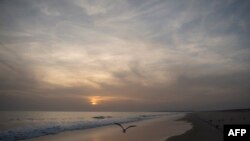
{"type": "Point", "coordinates": [124, 129]}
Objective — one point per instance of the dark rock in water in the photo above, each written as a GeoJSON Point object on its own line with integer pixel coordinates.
{"type": "Point", "coordinates": [99, 117]}
{"type": "Point", "coordinates": [102, 117]}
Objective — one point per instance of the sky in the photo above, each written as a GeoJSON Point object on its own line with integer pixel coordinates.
{"type": "Point", "coordinates": [124, 55]}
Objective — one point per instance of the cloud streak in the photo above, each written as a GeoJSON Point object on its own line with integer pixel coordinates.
{"type": "Point", "coordinates": [166, 55]}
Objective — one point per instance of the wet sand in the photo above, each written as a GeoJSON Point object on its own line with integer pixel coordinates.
{"type": "Point", "coordinates": [147, 130]}
{"type": "Point", "coordinates": [208, 126]}
{"type": "Point", "coordinates": [197, 126]}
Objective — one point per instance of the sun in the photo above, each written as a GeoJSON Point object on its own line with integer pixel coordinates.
{"type": "Point", "coordinates": [94, 100]}
{"type": "Point", "coordinates": [93, 103]}
{"type": "Point", "coordinates": [99, 100]}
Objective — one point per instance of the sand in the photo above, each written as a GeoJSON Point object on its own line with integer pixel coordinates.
{"type": "Point", "coordinates": [147, 130]}
{"type": "Point", "coordinates": [198, 126]}
{"type": "Point", "coordinates": [201, 131]}
{"type": "Point", "coordinates": [208, 126]}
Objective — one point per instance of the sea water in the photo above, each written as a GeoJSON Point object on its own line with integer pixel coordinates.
{"type": "Point", "coordinates": [18, 125]}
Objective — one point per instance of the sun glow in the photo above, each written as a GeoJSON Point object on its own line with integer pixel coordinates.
{"type": "Point", "coordinates": [97, 100]}
{"type": "Point", "coordinates": [94, 100]}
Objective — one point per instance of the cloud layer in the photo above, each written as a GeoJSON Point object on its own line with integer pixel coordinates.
{"type": "Point", "coordinates": [145, 55]}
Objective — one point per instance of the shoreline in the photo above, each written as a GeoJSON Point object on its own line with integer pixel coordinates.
{"type": "Point", "coordinates": [208, 126]}
{"type": "Point", "coordinates": [148, 130]}
{"type": "Point", "coordinates": [194, 126]}
{"type": "Point", "coordinates": [200, 131]}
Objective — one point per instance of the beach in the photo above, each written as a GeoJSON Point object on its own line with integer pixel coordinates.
{"type": "Point", "coordinates": [200, 131]}
{"type": "Point", "coordinates": [158, 129]}
{"type": "Point", "coordinates": [208, 126]}
{"type": "Point", "coordinates": [195, 126]}
{"type": "Point", "coordinates": [80, 70]}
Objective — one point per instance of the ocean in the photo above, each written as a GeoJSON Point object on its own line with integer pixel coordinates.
{"type": "Point", "coordinates": [19, 125]}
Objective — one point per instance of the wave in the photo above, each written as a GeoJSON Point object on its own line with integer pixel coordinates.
{"type": "Point", "coordinates": [54, 128]}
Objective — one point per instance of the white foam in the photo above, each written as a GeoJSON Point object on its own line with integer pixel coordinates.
{"type": "Point", "coordinates": [28, 132]}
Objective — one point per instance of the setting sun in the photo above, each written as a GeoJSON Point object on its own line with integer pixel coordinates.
{"type": "Point", "coordinates": [97, 100]}
{"type": "Point", "coordinates": [94, 100]}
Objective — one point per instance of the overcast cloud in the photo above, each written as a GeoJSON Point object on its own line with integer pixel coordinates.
{"type": "Point", "coordinates": [138, 55]}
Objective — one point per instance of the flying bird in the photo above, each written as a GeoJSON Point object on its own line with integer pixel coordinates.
{"type": "Point", "coordinates": [124, 129]}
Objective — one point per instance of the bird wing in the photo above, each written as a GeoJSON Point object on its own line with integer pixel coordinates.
{"type": "Point", "coordinates": [130, 126]}
{"type": "Point", "coordinates": [119, 125]}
